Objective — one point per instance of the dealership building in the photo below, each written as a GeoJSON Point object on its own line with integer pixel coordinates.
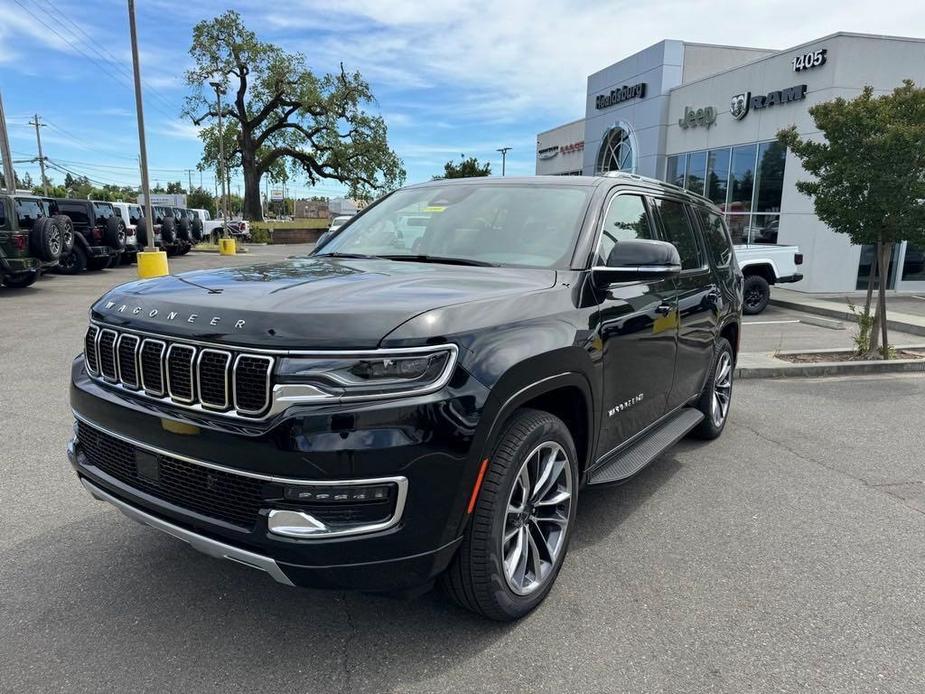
{"type": "Point", "coordinates": [705, 117]}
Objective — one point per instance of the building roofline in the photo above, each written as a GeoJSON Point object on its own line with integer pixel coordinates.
{"type": "Point", "coordinates": [828, 37]}
{"type": "Point", "coordinates": [564, 125]}
{"type": "Point", "coordinates": [730, 46]}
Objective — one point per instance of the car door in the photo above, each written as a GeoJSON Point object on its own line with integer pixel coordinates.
{"type": "Point", "coordinates": [636, 329]}
{"type": "Point", "coordinates": [696, 295]}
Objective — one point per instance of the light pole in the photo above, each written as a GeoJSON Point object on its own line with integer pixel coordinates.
{"type": "Point", "coordinates": [219, 90]}
{"type": "Point", "coordinates": [151, 262]}
{"type": "Point", "coordinates": [504, 151]}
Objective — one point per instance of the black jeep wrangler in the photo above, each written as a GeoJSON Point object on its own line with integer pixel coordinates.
{"type": "Point", "coordinates": [172, 230]}
{"type": "Point", "coordinates": [376, 416]}
{"type": "Point", "coordinates": [31, 240]}
{"type": "Point", "coordinates": [98, 238]}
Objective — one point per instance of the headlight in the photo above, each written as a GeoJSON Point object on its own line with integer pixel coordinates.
{"type": "Point", "coordinates": [381, 373]}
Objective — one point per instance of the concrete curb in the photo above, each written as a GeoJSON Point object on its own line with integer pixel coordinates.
{"type": "Point", "coordinates": [833, 310]}
{"type": "Point", "coordinates": [753, 365]}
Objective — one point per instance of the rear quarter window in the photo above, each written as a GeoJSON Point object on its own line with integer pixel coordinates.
{"type": "Point", "coordinates": [77, 213]}
{"type": "Point", "coordinates": [103, 210]}
{"type": "Point", "coordinates": [716, 237]}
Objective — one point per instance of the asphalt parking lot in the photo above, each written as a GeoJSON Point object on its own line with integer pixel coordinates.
{"type": "Point", "coordinates": [787, 556]}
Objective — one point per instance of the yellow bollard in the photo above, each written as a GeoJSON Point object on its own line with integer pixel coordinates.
{"type": "Point", "coordinates": [226, 246]}
{"type": "Point", "coordinates": [152, 264]}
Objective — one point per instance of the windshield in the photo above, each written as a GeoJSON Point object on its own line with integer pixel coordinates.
{"type": "Point", "coordinates": [530, 225]}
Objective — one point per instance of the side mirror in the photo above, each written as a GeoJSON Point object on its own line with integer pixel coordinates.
{"type": "Point", "coordinates": [638, 260]}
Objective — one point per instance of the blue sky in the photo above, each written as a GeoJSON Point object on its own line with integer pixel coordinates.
{"type": "Point", "coordinates": [450, 77]}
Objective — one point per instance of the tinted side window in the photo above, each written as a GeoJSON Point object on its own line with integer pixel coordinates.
{"type": "Point", "coordinates": [716, 237]}
{"type": "Point", "coordinates": [134, 214]}
{"type": "Point", "coordinates": [680, 233]}
{"type": "Point", "coordinates": [626, 219]}
{"type": "Point", "coordinates": [102, 210]}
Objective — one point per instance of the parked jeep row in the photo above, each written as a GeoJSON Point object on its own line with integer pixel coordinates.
{"type": "Point", "coordinates": [39, 234]}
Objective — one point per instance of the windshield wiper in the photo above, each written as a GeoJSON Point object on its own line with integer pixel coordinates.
{"type": "Point", "coordinates": [439, 259]}
{"type": "Point", "coordinates": [361, 256]}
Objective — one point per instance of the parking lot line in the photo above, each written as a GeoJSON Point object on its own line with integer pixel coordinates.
{"type": "Point", "coordinates": [768, 322]}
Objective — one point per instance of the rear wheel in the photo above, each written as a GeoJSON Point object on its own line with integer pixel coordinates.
{"type": "Point", "coordinates": [716, 397]}
{"type": "Point", "coordinates": [74, 262]}
{"type": "Point", "coordinates": [756, 293]}
{"type": "Point", "coordinates": [518, 534]}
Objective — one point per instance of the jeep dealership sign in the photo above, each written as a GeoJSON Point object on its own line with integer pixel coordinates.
{"type": "Point", "coordinates": [617, 96]}
{"type": "Point", "coordinates": [697, 116]}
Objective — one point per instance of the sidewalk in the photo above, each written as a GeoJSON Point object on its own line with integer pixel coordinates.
{"type": "Point", "coordinates": [910, 320]}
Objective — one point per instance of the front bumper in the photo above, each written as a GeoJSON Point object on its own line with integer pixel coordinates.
{"type": "Point", "coordinates": [405, 439]}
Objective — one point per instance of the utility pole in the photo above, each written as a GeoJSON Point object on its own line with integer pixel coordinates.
{"type": "Point", "coordinates": [504, 151]}
{"type": "Point", "coordinates": [38, 139]}
{"type": "Point", "coordinates": [8, 174]}
{"type": "Point", "coordinates": [139, 108]}
{"type": "Point", "coordinates": [189, 173]}
{"type": "Point", "coordinates": [219, 90]}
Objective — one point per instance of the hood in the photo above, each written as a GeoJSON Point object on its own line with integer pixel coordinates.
{"type": "Point", "coordinates": [306, 303]}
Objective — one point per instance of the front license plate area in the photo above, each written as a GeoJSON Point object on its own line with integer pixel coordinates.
{"type": "Point", "coordinates": [147, 466]}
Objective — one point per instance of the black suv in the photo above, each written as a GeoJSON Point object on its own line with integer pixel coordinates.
{"type": "Point", "coordinates": [172, 230]}
{"type": "Point", "coordinates": [375, 416]}
{"type": "Point", "coordinates": [31, 240]}
{"type": "Point", "coordinates": [98, 239]}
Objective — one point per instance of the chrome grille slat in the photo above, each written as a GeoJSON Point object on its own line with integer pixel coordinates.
{"type": "Point", "coordinates": [90, 350]}
{"type": "Point", "coordinates": [249, 374]}
{"type": "Point", "coordinates": [127, 352]}
{"type": "Point", "coordinates": [152, 367]}
{"type": "Point", "coordinates": [229, 382]}
{"type": "Point", "coordinates": [180, 363]}
{"type": "Point", "coordinates": [212, 373]}
{"type": "Point", "coordinates": [106, 351]}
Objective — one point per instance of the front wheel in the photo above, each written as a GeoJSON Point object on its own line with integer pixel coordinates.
{"type": "Point", "coordinates": [518, 534]}
{"type": "Point", "coordinates": [716, 397]}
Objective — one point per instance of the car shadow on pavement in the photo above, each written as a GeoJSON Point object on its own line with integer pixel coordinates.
{"type": "Point", "coordinates": [141, 610]}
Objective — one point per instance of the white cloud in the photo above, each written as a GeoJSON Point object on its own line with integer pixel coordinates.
{"type": "Point", "coordinates": [182, 130]}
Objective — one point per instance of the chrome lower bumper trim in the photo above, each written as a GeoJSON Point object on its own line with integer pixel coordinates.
{"type": "Point", "coordinates": [203, 544]}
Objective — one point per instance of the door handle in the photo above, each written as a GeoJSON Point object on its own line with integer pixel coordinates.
{"type": "Point", "coordinates": [664, 309]}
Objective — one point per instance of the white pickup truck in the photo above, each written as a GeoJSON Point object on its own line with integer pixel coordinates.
{"type": "Point", "coordinates": [764, 264]}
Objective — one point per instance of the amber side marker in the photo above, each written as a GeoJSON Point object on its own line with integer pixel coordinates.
{"type": "Point", "coordinates": [478, 485]}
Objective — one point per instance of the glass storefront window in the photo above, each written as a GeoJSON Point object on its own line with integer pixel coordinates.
{"type": "Point", "coordinates": [763, 228]}
{"type": "Point", "coordinates": [770, 176]}
{"type": "Point", "coordinates": [718, 176]}
{"type": "Point", "coordinates": [868, 257]}
{"type": "Point", "coordinates": [742, 178]}
{"type": "Point", "coordinates": [696, 171]}
{"type": "Point", "coordinates": [674, 173]}
{"type": "Point", "coordinates": [914, 264]}
{"type": "Point", "coordinates": [738, 227]}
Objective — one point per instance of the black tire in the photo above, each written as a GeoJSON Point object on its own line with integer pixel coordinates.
{"type": "Point", "coordinates": [756, 293]}
{"type": "Point", "coordinates": [114, 233]}
{"type": "Point", "coordinates": [168, 230]}
{"type": "Point", "coordinates": [476, 577]}
{"type": "Point", "coordinates": [20, 281]}
{"type": "Point", "coordinates": [74, 262]}
{"type": "Point", "coordinates": [141, 233]}
{"type": "Point", "coordinates": [184, 249]}
{"type": "Point", "coordinates": [67, 233]}
{"type": "Point", "coordinates": [711, 427]}
{"type": "Point", "coordinates": [170, 250]}
{"type": "Point", "coordinates": [115, 260]}
{"type": "Point", "coordinates": [46, 239]}
{"type": "Point", "coordinates": [183, 230]}
{"type": "Point", "coordinates": [99, 263]}
{"type": "Point", "coordinates": [196, 230]}
{"type": "Point", "coordinates": [128, 258]}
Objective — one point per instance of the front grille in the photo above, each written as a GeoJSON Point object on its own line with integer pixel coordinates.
{"type": "Point", "coordinates": [217, 494]}
{"type": "Point", "coordinates": [251, 381]}
{"type": "Point", "coordinates": [93, 364]}
{"type": "Point", "coordinates": [107, 354]}
{"type": "Point", "coordinates": [152, 367]}
{"type": "Point", "coordinates": [180, 372]}
{"type": "Point", "coordinates": [191, 376]}
{"type": "Point", "coordinates": [128, 363]}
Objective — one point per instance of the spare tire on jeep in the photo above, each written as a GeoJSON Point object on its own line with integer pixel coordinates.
{"type": "Point", "coordinates": [67, 233]}
{"type": "Point", "coordinates": [183, 229]}
{"type": "Point", "coordinates": [141, 233]}
{"type": "Point", "coordinates": [168, 230]}
{"type": "Point", "coordinates": [113, 235]}
{"type": "Point", "coordinates": [46, 239]}
{"type": "Point", "coordinates": [197, 229]}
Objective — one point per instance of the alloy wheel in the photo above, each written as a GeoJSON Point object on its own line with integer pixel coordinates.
{"type": "Point", "coordinates": [722, 389]}
{"type": "Point", "coordinates": [54, 241]}
{"type": "Point", "coordinates": [536, 520]}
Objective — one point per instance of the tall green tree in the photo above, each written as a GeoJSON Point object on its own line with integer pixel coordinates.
{"type": "Point", "coordinates": [868, 172]}
{"type": "Point", "coordinates": [283, 115]}
{"type": "Point", "coordinates": [465, 168]}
